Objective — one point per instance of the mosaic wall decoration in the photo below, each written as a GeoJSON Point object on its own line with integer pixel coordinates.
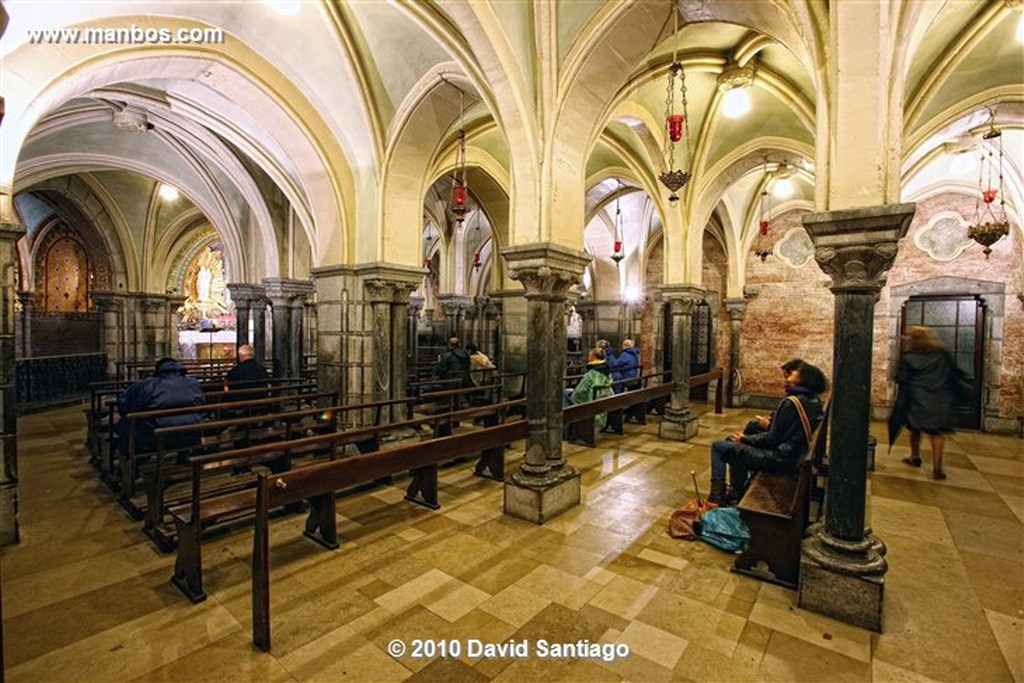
{"type": "Point", "coordinates": [66, 277]}
{"type": "Point", "coordinates": [795, 248]}
{"type": "Point", "coordinates": [945, 236]}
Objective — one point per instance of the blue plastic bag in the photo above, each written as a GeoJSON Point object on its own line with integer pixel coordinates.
{"type": "Point", "coordinates": [725, 529]}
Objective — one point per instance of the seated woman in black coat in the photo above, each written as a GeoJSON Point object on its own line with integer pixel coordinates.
{"type": "Point", "coordinates": [779, 448]}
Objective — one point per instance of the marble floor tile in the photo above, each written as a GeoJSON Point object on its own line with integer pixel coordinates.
{"type": "Point", "coordinates": [86, 597]}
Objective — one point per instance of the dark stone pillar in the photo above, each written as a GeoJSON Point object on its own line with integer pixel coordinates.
{"type": "Point", "coordinates": [296, 337]}
{"type": "Point", "coordinates": [10, 233]}
{"type": "Point", "coordinates": [679, 422]}
{"type": "Point", "coordinates": [842, 571]}
{"type": "Point", "coordinates": [454, 307]}
{"type": "Point", "coordinates": [415, 306]}
{"type": "Point", "coordinates": [110, 332]}
{"type": "Point", "coordinates": [28, 304]}
{"type": "Point", "coordinates": [244, 296]}
{"type": "Point", "coordinates": [172, 322]}
{"type": "Point", "coordinates": [544, 486]}
{"type": "Point", "coordinates": [387, 289]}
{"type": "Point", "coordinates": [258, 310]}
{"type": "Point", "coordinates": [735, 307]}
{"type": "Point", "coordinates": [286, 339]}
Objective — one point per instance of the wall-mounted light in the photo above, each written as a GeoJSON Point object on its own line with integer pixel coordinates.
{"type": "Point", "coordinates": [168, 193]}
{"type": "Point", "coordinates": [735, 82]}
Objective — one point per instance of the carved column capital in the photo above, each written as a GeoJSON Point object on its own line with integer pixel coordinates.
{"type": "Point", "coordinates": [378, 291]}
{"type": "Point", "coordinates": [736, 307]}
{"type": "Point", "coordinates": [246, 294]}
{"type": "Point", "coordinates": [546, 270]}
{"type": "Point", "coordinates": [452, 304]}
{"type": "Point", "coordinates": [281, 292]}
{"type": "Point", "coordinates": [856, 247]}
{"type": "Point", "coordinates": [27, 299]}
{"type": "Point", "coordinates": [682, 298]}
{"type": "Point", "coordinates": [416, 303]}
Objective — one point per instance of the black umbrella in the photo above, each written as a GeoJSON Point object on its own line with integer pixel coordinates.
{"type": "Point", "coordinates": [898, 418]}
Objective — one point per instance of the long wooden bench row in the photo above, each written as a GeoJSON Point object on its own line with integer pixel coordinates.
{"type": "Point", "coordinates": [199, 511]}
{"type": "Point", "coordinates": [318, 484]}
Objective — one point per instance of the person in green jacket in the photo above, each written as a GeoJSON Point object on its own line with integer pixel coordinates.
{"type": "Point", "coordinates": [594, 385]}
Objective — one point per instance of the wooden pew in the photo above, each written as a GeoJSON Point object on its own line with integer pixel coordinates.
{"type": "Point", "coordinates": [200, 512]}
{"type": "Point", "coordinates": [776, 507]}
{"type": "Point", "coordinates": [318, 484]}
{"type": "Point", "coordinates": [277, 427]}
{"type": "Point", "coordinates": [129, 460]}
{"type": "Point", "coordinates": [584, 413]}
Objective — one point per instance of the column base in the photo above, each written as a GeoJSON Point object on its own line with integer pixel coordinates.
{"type": "Point", "coordinates": [843, 580]}
{"type": "Point", "coordinates": [539, 499]}
{"type": "Point", "coordinates": [678, 425]}
{"type": "Point", "coordinates": [8, 513]}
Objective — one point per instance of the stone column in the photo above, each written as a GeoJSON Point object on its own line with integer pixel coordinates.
{"type": "Point", "coordinates": [454, 307]}
{"type": "Point", "coordinates": [544, 486]}
{"type": "Point", "coordinates": [415, 306]}
{"type": "Point", "coordinates": [150, 307]}
{"type": "Point", "coordinates": [109, 303]}
{"type": "Point", "coordinates": [679, 422]}
{"type": "Point", "coordinates": [286, 299]}
{"type": "Point", "coordinates": [296, 338]}
{"type": "Point", "coordinates": [400, 327]}
{"type": "Point", "coordinates": [258, 311]}
{"type": "Point", "coordinates": [334, 343]}
{"type": "Point", "coordinates": [245, 296]}
{"type": "Point", "coordinates": [735, 307]}
{"type": "Point", "coordinates": [28, 303]}
{"type": "Point", "coordinates": [842, 572]}
{"type": "Point", "coordinates": [10, 233]}
{"type": "Point", "coordinates": [379, 293]}
{"type": "Point", "coordinates": [172, 322]}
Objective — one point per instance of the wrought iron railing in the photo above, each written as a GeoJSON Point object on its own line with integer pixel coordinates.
{"type": "Point", "coordinates": [44, 380]}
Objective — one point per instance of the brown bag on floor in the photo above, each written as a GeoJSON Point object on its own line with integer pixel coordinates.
{"type": "Point", "coordinates": [681, 523]}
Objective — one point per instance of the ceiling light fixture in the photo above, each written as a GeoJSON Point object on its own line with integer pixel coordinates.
{"type": "Point", "coordinates": [460, 188]}
{"type": "Point", "coordinates": [783, 186]}
{"type": "Point", "coordinates": [168, 193]}
{"type": "Point", "coordinates": [617, 254]}
{"type": "Point", "coordinates": [990, 223]}
{"type": "Point", "coordinates": [735, 82]}
{"type": "Point", "coordinates": [763, 243]}
{"type": "Point", "coordinates": [676, 123]}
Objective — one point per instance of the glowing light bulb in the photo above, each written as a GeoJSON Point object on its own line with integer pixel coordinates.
{"type": "Point", "coordinates": [288, 8]}
{"type": "Point", "coordinates": [168, 193]}
{"type": "Point", "coordinates": [783, 188]}
{"type": "Point", "coordinates": [632, 294]}
{"type": "Point", "coordinates": [736, 103]}
{"type": "Point", "coordinates": [1020, 29]}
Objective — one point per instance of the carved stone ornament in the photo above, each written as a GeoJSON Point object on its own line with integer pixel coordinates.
{"type": "Point", "coordinates": [795, 249]}
{"type": "Point", "coordinates": [855, 247]}
{"type": "Point", "coordinates": [378, 291]}
{"type": "Point", "coordinates": [859, 266]}
{"type": "Point", "coordinates": [544, 282]}
{"type": "Point", "coordinates": [945, 236]}
{"type": "Point", "coordinates": [682, 299]}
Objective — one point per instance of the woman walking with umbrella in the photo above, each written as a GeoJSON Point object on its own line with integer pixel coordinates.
{"type": "Point", "coordinates": [928, 380]}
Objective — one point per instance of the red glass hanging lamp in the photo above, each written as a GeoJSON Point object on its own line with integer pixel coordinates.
{"type": "Point", "coordinates": [677, 123]}
{"type": "Point", "coordinates": [990, 223]}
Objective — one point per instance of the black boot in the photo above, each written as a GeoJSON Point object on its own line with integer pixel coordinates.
{"type": "Point", "coordinates": [737, 487]}
{"type": "Point", "coordinates": [718, 494]}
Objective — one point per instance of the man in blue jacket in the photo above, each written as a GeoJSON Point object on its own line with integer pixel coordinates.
{"type": "Point", "coordinates": [625, 366]}
{"type": "Point", "coordinates": [168, 387]}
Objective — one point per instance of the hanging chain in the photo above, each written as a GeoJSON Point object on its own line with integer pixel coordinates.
{"type": "Point", "coordinates": [669, 111]}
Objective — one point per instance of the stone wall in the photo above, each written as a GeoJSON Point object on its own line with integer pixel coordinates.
{"type": "Point", "coordinates": [792, 315]}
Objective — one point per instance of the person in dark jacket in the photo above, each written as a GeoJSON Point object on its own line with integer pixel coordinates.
{"type": "Point", "coordinates": [625, 366]}
{"type": "Point", "coordinates": [168, 387]}
{"type": "Point", "coordinates": [761, 423]}
{"type": "Point", "coordinates": [248, 373]}
{"type": "Point", "coordinates": [927, 372]}
{"type": "Point", "coordinates": [780, 448]}
{"type": "Point", "coordinates": [454, 363]}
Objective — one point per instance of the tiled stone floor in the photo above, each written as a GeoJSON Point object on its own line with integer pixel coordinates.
{"type": "Point", "coordinates": [86, 597]}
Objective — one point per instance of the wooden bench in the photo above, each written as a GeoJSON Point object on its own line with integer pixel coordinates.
{"type": "Point", "coordinates": [318, 484]}
{"type": "Point", "coordinates": [775, 507]}
{"type": "Point", "coordinates": [222, 435]}
{"type": "Point", "coordinates": [128, 463]}
{"type": "Point", "coordinates": [581, 416]}
{"type": "Point", "coordinates": [201, 512]}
